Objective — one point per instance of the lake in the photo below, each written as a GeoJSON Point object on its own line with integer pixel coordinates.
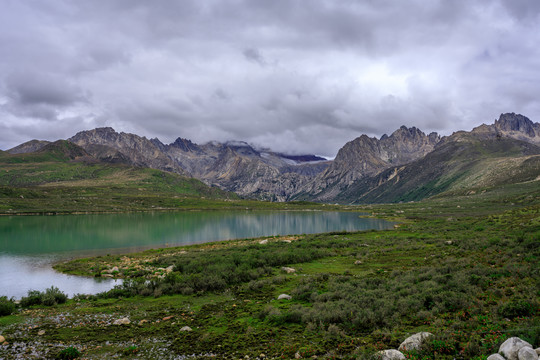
{"type": "Point", "coordinates": [29, 245]}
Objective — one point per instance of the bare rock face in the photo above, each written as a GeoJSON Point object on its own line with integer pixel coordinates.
{"type": "Point", "coordinates": [28, 147]}
{"type": "Point", "coordinates": [139, 150]}
{"type": "Point", "coordinates": [365, 156]}
{"type": "Point", "coordinates": [511, 347]}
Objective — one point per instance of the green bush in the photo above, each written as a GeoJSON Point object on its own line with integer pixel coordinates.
{"type": "Point", "coordinates": [7, 307]}
{"type": "Point", "coordinates": [68, 353]}
{"type": "Point", "coordinates": [516, 308]}
{"type": "Point", "coordinates": [49, 297]}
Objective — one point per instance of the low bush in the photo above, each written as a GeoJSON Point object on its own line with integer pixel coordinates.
{"type": "Point", "coordinates": [51, 296]}
{"type": "Point", "coordinates": [7, 307]}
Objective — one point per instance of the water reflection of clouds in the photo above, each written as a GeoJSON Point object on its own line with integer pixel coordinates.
{"type": "Point", "coordinates": [30, 245]}
{"type": "Point", "coordinates": [19, 274]}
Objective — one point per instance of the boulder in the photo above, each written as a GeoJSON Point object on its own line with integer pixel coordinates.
{"type": "Point", "coordinates": [288, 270]}
{"type": "Point", "coordinates": [284, 296]}
{"type": "Point", "coordinates": [186, 328]}
{"type": "Point", "coordinates": [495, 357]}
{"type": "Point", "coordinates": [510, 348]}
{"type": "Point", "coordinates": [527, 353]}
{"type": "Point", "coordinates": [390, 355]}
{"type": "Point", "coordinates": [537, 351]}
{"type": "Point", "coordinates": [414, 342]}
{"type": "Point", "coordinates": [123, 321]}
{"type": "Point", "coordinates": [263, 242]}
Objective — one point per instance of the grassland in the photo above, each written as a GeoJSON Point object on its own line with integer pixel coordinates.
{"type": "Point", "coordinates": [463, 266]}
{"type": "Point", "coordinates": [62, 180]}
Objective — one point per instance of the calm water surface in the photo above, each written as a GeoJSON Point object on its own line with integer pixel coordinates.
{"type": "Point", "coordinates": [29, 245]}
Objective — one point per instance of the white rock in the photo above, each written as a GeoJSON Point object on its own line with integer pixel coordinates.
{"type": "Point", "coordinates": [114, 269]}
{"type": "Point", "coordinates": [414, 342]}
{"type": "Point", "coordinates": [358, 262]}
{"type": "Point", "coordinates": [123, 321]}
{"type": "Point", "coordinates": [284, 296]}
{"type": "Point", "coordinates": [495, 357]}
{"type": "Point", "coordinates": [263, 242]}
{"type": "Point", "coordinates": [169, 269]}
{"type": "Point", "coordinates": [390, 355]}
{"type": "Point", "coordinates": [186, 328]}
{"type": "Point", "coordinates": [41, 332]}
{"type": "Point", "coordinates": [537, 351]}
{"type": "Point", "coordinates": [510, 348]}
{"type": "Point", "coordinates": [527, 353]}
{"type": "Point", "coordinates": [288, 270]}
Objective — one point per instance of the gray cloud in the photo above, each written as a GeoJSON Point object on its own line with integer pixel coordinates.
{"type": "Point", "coordinates": [279, 73]}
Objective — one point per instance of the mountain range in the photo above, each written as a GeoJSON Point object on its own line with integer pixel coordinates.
{"type": "Point", "coordinates": [403, 166]}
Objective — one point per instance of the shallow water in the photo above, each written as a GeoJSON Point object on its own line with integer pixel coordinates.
{"type": "Point", "coordinates": [29, 245]}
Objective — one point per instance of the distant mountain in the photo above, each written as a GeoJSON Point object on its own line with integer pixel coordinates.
{"type": "Point", "coordinates": [28, 147]}
{"type": "Point", "coordinates": [506, 152]}
{"type": "Point", "coordinates": [365, 156]}
{"type": "Point", "coordinates": [407, 165]}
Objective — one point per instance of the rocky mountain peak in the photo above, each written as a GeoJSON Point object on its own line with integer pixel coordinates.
{"type": "Point", "coordinates": [185, 145]}
{"type": "Point", "coordinates": [511, 122]}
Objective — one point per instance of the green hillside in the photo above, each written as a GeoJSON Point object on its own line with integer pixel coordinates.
{"type": "Point", "coordinates": [63, 178]}
{"type": "Point", "coordinates": [464, 163]}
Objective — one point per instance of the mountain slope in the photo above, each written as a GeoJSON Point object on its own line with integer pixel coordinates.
{"type": "Point", "coordinates": [63, 177]}
{"type": "Point", "coordinates": [364, 157]}
{"type": "Point", "coordinates": [463, 161]}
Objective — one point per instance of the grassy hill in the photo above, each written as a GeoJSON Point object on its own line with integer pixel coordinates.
{"type": "Point", "coordinates": [463, 163]}
{"type": "Point", "coordinates": [63, 178]}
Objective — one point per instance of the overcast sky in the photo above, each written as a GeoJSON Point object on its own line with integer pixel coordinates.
{"type": "Point", "coordinates": [296, 76]}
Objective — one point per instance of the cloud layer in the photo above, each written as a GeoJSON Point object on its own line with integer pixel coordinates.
{"type": "Point", "coordinates": [295, 76]}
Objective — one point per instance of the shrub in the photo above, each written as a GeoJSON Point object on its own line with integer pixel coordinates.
{"type": "Point", "coordinates": [7, 307]}
{"type": "Point", "coordinates": [50, 297]}
{"type": "Point", "coordinates": [68, 353]}
{"type": "Point", "coordinates": [516, 308]}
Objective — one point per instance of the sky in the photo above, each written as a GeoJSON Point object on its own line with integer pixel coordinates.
{"type": "Point", "coordinates": [295, 76]}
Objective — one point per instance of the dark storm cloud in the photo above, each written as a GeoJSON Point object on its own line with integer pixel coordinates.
{"type": "Point", "coordinates": [283, 74]}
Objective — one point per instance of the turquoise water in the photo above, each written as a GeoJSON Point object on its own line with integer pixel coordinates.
{"type": "Point", "coordinates": [29, 245]}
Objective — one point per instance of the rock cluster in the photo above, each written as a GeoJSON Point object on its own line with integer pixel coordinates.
{"type": "Point", "coordinates": [512, 349]}
{"type": "Point", "coordinates": [515, 349]}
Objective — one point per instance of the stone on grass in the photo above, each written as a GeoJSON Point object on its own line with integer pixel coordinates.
{"type": "Point", "coordinates": [495, 357]}
{"type": "Point", "coordinates": [527, 353]}
{"type": "Point", "coordinates": [510, 348]}
{"type": "Point", "coordinates": [390, 355]}
{"type": "Point", "coordinates": [2, 339]}
{"type": "Point", "coordinates": [123, 321]}
{"type": "Point", "coordinates": [414, 342]}
{"type": "Point", "coordinates": [284, 296]}
{"type": "Point", "coordinates": [41, 332]}
{"type": "Point", "coordinates": [186, 328]}
{"type": "Point", "coordinates": [358, 262]}
{"type": "Point", "coordinates": [263, 242]}
{"type": "Point", "coordinates": [288, 270]}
